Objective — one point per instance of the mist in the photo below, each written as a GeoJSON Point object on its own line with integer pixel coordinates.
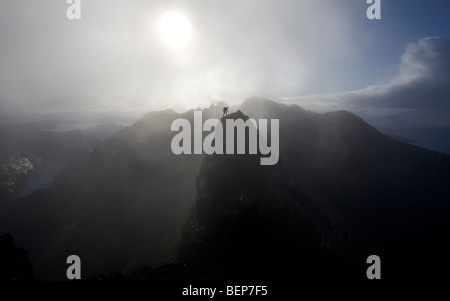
{"type": "Point", "coordinates": [114, 58]}
{"type": "Point", "coordinates": [86, 165]}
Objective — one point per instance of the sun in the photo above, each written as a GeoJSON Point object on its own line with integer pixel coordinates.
{"type": "Point", "coordinates": [175, 30]}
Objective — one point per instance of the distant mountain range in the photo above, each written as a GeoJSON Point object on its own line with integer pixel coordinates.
{"type": "Point", "coordinates": [33, 151]}
{"type": "Point", "coordinates": [341, 191]}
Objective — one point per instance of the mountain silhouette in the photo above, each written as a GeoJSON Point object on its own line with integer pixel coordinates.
{"type": "Point", "coordinates": [253, 222]}
{"type": "Point", "coordinates": [36, 150]}
{"type": "Point", "coordinates": [385, 186]}
{"type": "Point", "coordinates": [340, 189]}
{"type": "Point", "coordinates": [129, 192]}
{"type": "Point", "coordinates": [14, 262]}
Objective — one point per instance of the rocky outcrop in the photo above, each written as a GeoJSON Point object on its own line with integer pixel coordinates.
{"type": "Point", "coordinates": [14, 262]}
{"type": "Point", "coordinates": [254, 222]}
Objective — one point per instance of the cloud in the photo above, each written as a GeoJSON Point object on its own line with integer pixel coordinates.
{"type": "Point", "coordinates": [422, 83]}
{"type": "Point", "coordinates": [113, 57]}
{"type": "Point", "coordinates": [415, 103]}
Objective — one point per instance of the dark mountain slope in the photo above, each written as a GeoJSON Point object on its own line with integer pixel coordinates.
{"type": "Point", "coordinates": [253, 222]}
{"type": "Point", "coordinates": [126, 201]}
{"type": "Point", "coordinates": [128, 192]}
{"type": "Point", "coordinates": [30, 151]}
{"type": "Point", "coordinates": [395, 191]}
{"type": "Point", "coordinates": [14, 262]}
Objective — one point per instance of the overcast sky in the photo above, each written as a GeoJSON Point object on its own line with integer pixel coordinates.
{"type": "Point", "coordinates": [114, 58]}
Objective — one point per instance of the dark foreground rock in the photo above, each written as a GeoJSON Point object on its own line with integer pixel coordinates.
{"type": "Point", "coordinates": [14, 262]}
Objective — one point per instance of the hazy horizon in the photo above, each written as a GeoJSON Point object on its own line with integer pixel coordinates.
{"type": "Point", "coordinates": [108, 171]}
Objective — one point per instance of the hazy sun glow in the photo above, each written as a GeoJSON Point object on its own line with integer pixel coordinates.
{"type": "Point", "coordinates": [175, 30]}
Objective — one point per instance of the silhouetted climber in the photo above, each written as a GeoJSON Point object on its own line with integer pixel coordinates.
{"type": "Point", "coordinates": [225, 111]}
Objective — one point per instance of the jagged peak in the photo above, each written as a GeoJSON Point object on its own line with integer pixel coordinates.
{"type": "Point", "coordinates": [235, 115]}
